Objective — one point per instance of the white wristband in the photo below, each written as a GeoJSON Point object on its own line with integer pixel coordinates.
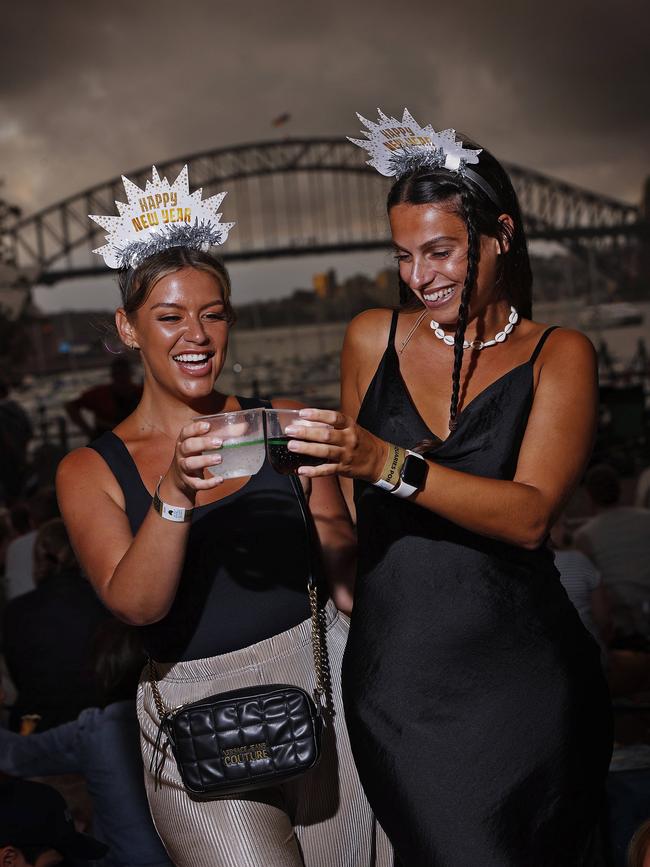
{"type": "Point", "coordinates": [177, 514]}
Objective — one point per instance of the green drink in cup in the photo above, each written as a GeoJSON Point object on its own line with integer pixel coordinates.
{"type": "Point", "coordinates": [281, 459]}
{"type": "Point", "coordinates": [242, 434]}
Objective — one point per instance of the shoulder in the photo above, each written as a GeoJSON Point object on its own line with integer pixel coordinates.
{"type": "Point", "coordinates": [83, 473]}
{"type": "Point", "coordinates": [80, 461]}
{"type": "Point", "coordinates": [565, 350]}
{"type": "Point", "coordinates": [369, 330]}
{"type": "Point", "coordinates": [566, 344]}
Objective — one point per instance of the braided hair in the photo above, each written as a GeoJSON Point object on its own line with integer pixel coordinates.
{"type": "Point", "coordinates": [481, 217]}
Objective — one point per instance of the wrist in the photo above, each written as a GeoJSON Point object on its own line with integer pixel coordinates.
{"type": "Point", "coordinates": [388, 476]}
{"type": "Point", "coordinates": [171, 492]}
{"type": "Point", "coordinates": [383, 452]}
{"type": "Point", "coordinates": [170, 511]}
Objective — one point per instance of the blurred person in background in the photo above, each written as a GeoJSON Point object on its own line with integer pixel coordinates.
{"type": "Point", "coordinates": [103, 745]}
{"type": "Point", "coordinates": [15, 434]}
{"type": "Point", "coordinates": [36, 828]}
{"type": "Point", "coordinates": [617, 541]}
{"type": "Point", "coordinates": [583, 585]}
{"type": "Point", "coordinates": [6, 535]}
{"type": "Point", "coordinates": [109, 404]}
{"type": "Point", "coordinates": [19, 574]}
{"type": "Point", "coordinates": [642, 492]}
{"type": "Point", "coordinates": [48, 635]}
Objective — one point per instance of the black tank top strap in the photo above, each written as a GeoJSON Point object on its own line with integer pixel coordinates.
{"type": "Point", "coordinates": [117, 456]}
{"type": "Point", "coordinates": [393, 328]}
{"type": "Point", "coordinates": [252, 402]}
{"type": "Point", "coordinates": [540, 343]}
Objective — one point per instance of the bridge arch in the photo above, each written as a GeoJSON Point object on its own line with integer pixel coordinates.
{"type": "Point", "coordinates": [295, 197]}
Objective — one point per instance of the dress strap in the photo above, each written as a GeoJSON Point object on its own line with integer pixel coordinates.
{"type": "Point", "coordinates": [393, 328]}
{"type": "Point", "coordinates": [252, 402]}
{"type": "Point", "coordinates": [540, 343]}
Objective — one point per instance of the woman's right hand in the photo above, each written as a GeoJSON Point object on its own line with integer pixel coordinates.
{"type": "Point", "coordinates": [184, 478]}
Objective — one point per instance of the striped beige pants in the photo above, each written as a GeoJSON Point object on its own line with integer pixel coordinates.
{"type": "Point", "coordinates": [321, 819]}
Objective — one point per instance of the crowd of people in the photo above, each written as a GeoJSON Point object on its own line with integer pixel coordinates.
{"type": "Point", "coordinates": [471, 617]}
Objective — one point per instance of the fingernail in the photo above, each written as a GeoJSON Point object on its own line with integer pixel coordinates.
{"type": "Point", "coordinates": [216, 441]}
{"type": "Point", "coordinates": [306, 413]}
{"type": "Point", "coordinates": [205, 425]}
{"type": "Point", "coordinates": [217, 460]}
{"type": "Point", "coordinates": [292, 445]}
{"type": "Point", "coordinates": [291, 429]}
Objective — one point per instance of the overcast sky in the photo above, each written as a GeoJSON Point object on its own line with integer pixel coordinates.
{"type": "Point", "coordinates": [90, 90]}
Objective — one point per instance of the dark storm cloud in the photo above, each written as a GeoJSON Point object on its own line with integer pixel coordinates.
{"type": "Point", "coordinates": [89, 90]}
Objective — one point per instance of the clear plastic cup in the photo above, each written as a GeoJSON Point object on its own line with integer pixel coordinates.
{"type": "Point", "coordinates": [242, 433]}
{"type": "Point", "coordinates": [281, 459]}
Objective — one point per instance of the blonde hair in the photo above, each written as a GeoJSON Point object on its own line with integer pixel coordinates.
{"type": "Point", "coordinates": [136, 283]}
{"type": "Point", "coordinates": [639, 845]}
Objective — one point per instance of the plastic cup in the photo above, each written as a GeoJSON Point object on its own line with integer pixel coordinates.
{"type": "Point", "coordinates": [242, 433]}
{"type": "Point", "coordinates": [281, 459]}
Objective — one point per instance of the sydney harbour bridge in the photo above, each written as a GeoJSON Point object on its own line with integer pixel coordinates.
{"type": "Point", "coordinates": [299, 197]}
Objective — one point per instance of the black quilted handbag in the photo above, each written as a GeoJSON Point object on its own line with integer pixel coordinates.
{"type": "Point", "coordinates": [247, 738]}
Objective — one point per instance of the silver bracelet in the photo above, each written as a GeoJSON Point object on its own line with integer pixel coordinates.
{"type": "Point", "coordinates": [177, 514]}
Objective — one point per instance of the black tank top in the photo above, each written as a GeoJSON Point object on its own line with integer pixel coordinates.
{"type": "Point", "coordinates": [245, 571]}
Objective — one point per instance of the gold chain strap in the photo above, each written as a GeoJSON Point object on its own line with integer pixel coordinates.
{"type": "Point", "coordinates": [153, 678]}
{"type": "Point", "coordinates": [321, 665]}
{"type": "Point", "coordinates": [319, 651]}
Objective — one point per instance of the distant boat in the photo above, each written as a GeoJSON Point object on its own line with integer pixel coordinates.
{"type": "Point", "coordinates": [610, 315]}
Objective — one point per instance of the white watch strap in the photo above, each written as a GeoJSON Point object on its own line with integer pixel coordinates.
{"type": "Point", "coordinates": [383, 485]}
{"type": "Point", "coordinates": [404, 490]}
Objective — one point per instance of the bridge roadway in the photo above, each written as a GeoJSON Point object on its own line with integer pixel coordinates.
{"type": "Point", "coordinates": [297, 197]}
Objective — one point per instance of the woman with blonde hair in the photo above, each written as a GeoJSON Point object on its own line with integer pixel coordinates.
{"type": "Point", "coordinates": [213, 570]}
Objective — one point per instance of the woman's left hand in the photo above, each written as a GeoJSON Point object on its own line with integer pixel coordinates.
{"type": "Point", "coordinates": [346, 448]}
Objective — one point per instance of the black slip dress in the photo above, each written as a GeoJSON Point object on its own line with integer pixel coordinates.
{"type": "Point", "coordinates": [478, 712]}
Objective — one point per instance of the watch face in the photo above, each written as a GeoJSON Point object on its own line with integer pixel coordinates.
{"type": "Point", "coordinates": [414, 471]}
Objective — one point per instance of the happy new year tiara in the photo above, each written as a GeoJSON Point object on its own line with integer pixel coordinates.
{"type": "Point", "coordinates": [160, 216]}
{"type": "Point", "coordinates": [398, 148]}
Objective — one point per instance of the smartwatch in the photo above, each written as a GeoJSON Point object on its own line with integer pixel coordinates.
{"type": "Point", "coordinates": [412, 475]}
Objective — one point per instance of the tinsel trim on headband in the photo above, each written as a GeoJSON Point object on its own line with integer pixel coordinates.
{"type": "Point", "coordinates": [160, 216]}
{"type": "Point", "coordinates": [198, 237]}
{"type": "Point", "coordinates": [398, 148]}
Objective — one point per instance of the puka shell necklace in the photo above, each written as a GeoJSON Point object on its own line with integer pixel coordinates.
{"type": "Point", "coordinates": [500, 337]}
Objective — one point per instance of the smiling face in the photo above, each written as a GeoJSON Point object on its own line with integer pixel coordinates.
{"type": "Point", "coordinates": [431, 250]}
{"type": "Point", "coordinates": [182, 332]}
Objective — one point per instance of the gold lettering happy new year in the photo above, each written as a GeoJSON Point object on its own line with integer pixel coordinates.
{"type": "Point", "coordinates": [160, 209]}
{"type": "Point", "coordinates": [403, 136]}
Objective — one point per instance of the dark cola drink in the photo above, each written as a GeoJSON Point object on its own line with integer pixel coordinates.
{"type": "Point", "coordinates": [285, 462]}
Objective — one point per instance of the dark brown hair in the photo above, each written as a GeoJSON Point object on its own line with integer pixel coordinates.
{"type": "Point", "coordinates": [136, 283]}
{"type": "Point", "coordinates": [481, 217]}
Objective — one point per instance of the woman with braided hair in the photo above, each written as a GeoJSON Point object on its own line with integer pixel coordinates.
{"type": "Point", "coordinates": [478, 712]}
